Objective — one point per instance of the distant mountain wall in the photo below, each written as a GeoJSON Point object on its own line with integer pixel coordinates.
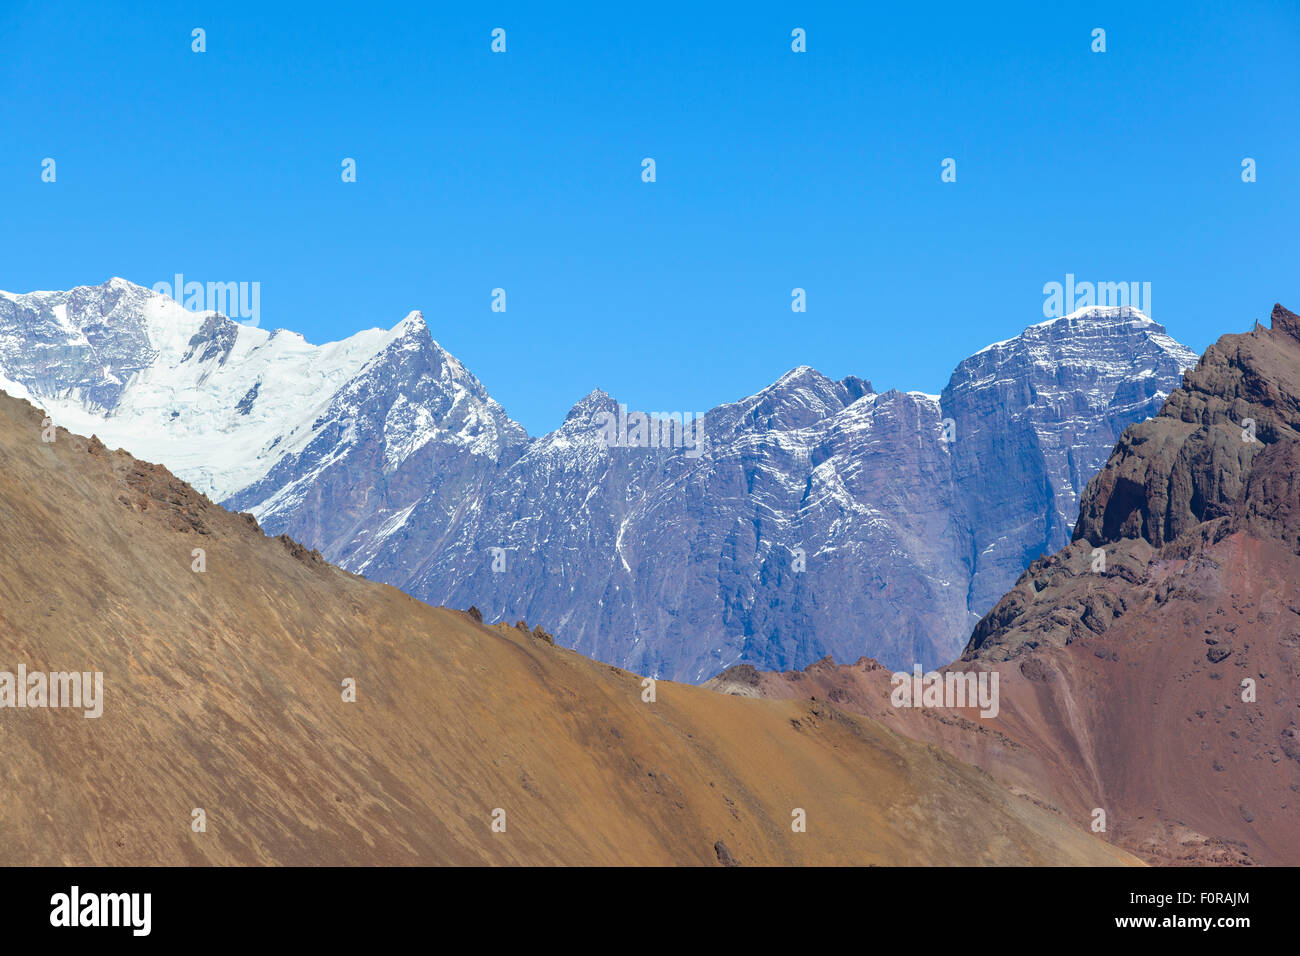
{"type": "Point", "coordinates": [814, 517]}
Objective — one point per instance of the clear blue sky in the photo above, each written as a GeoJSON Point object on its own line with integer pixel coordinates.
{"type": "Point", "coordinates": [775, 170]}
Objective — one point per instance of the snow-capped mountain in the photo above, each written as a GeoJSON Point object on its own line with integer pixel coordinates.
{"type": "Point", "coordinates": [230, 407]}
{"type": "Point", "coordinates": [814, 517]}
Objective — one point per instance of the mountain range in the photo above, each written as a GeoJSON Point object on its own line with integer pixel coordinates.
{"type": "Point", "coordinates": [815, 517]}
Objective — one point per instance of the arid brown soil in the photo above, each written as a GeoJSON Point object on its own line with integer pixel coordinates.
{"type": "Point", "coordinates": [1145, 722]}
{"type": "Point", "coordinates": [223, 692]}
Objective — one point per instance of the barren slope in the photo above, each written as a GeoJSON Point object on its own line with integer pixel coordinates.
{"type": "Point", "coordinates": [222, 692]}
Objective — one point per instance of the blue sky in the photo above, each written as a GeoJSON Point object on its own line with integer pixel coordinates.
{"type": "Point", "coordinates": [775, 170]}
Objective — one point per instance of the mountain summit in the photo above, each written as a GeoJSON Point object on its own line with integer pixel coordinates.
{"type": "Point", "coordinates": [814, 517]}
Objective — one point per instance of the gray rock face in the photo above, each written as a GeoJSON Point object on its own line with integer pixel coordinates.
{"type": "Point", "coordinates": [812, 518]}
{"type": "Point", "coordinates": [411, 430]}
{"type": "Point", "coordinates": [817, 520]}
{"type": "Point", "coordinates": [82, 344]}
{"type": "Point", "coordinates": [1036, 418]}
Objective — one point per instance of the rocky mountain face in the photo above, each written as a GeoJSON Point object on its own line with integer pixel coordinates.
{"type": "Point", "coordinates": [795, 520]}
{"type": "Point", "coordinates": [1217, 461]}
{"type": "Point", "coordinates": [412, 429]}
{"type": "Point", "coordinates": [1151, 668]}
{"type": "Point", "coordinates": [268, 708]}
{"type": "Point", "coordinates": [1041, 413]}
{"type": "Point", "coordinates": [812, 518]}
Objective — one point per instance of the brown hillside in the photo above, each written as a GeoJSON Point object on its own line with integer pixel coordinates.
{"type": "Point", "coordinates": [222, 691]}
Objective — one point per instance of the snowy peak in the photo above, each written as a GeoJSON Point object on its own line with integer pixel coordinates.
{"type": "Point", "coordinates": [1091, 323]}
{"type": "Point", "coordinates": [585, 410]}
{"type": "Point", "coordinates": [1107, 313]}
{"type": "Point", "coordinates": [414, 320]}
{"type": "Point", "coordinates": [222, 403]}
{"type": "Point", "coordinates": [411, 334]}
{"type": "Point", "coordinates": [800, 398]}
{"type": "Point", "coordinates": [1110, 340]}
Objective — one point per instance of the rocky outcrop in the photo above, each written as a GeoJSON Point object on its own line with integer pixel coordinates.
{"type": "Point", "coordinates": [1190, 464]}
{"type": "Point", "coordinates": [1219, 459]}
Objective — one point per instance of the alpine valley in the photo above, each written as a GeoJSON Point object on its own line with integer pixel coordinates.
{"type": "Point", "coordinates": [813, 518]}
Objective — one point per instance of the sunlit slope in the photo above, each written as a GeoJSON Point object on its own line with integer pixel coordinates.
{"type": "Point", "coordinates": [223, 691]}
